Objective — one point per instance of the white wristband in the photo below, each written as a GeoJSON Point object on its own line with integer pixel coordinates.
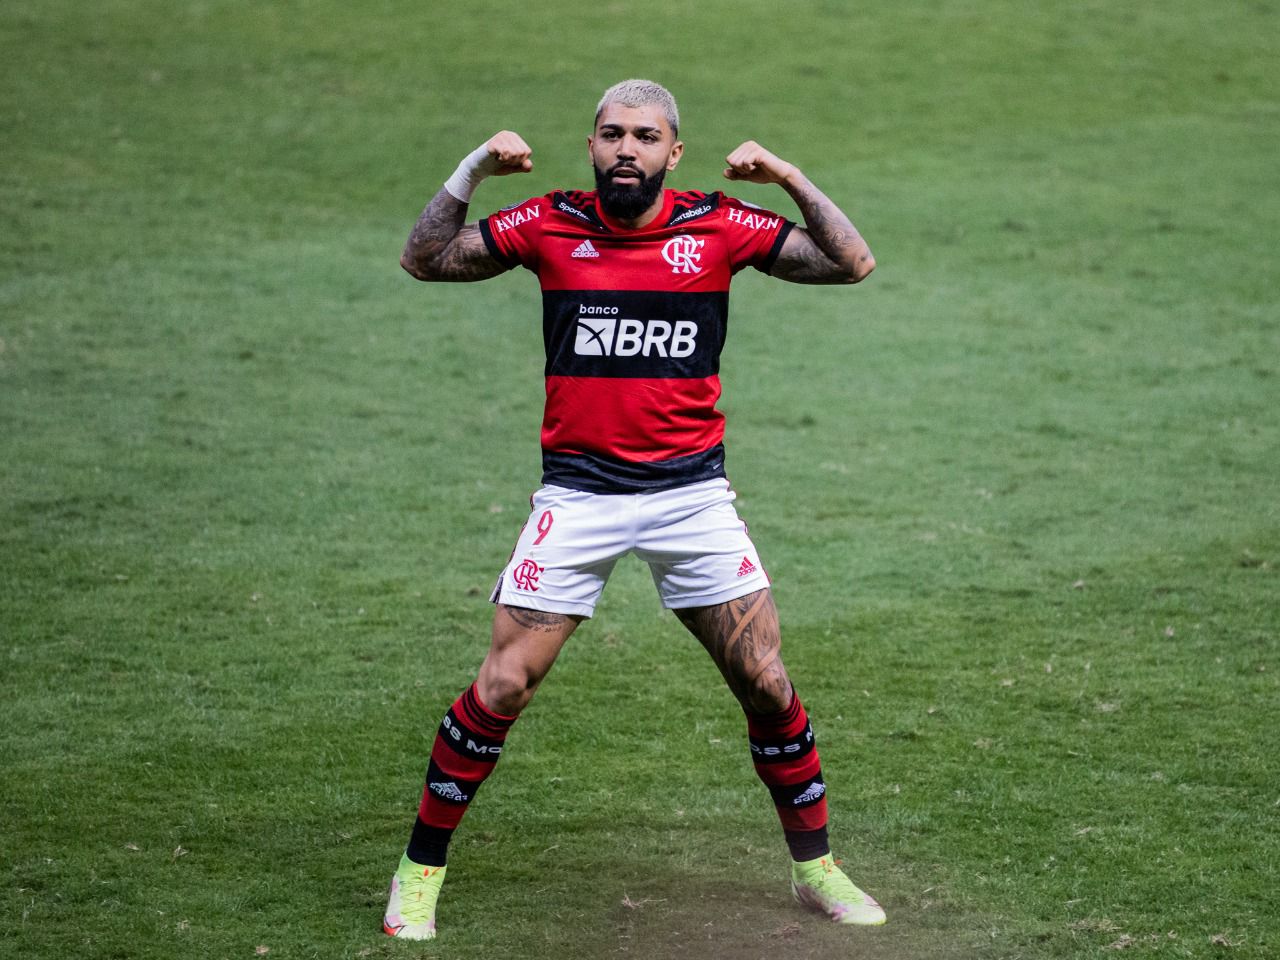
{"type": "Point", "coordinates": [478, 165]}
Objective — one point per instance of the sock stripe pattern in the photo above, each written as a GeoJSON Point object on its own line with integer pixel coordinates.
{"type": "Point", "coordinates": [466, 749]}
{"type": "Point", "coordinates": [786, 760]}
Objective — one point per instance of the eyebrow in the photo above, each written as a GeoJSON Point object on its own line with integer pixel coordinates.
{"type": "Point", "coordinates": [637, 129]}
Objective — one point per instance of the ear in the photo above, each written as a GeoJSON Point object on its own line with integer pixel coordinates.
{"type": "Point", "coordinates": [677, 151]}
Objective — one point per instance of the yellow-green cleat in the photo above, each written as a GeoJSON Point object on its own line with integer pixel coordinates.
{"type": "Point", "coordinates": [411, 910]}
{"type": "Point", "coordinates": [822, 886]}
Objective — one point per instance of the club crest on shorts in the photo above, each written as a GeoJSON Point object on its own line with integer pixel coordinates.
{"type": "Point", "coordinates": [526, 574]}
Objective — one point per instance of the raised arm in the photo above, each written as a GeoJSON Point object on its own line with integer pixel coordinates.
{"type": "Point", "coordinates": [828, 249]}
{"type": "Point", "coordinates": [440, 246]}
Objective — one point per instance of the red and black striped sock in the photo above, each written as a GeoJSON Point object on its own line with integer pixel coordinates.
{"type": "Point", "coordinates": [786, 760]}
{"type": "Point", "coordinates": [467, 747]}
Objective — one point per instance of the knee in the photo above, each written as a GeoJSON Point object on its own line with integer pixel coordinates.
{"type": "Point", "coordinates": [505, 691]}
{"type": "Point", "coordinates": [767, 695]}
{"type": "Point", "coordinates": [769, 691]}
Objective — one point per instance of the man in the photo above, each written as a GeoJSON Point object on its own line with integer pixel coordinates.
{"type": "Point", "coordinates": [635, 284]}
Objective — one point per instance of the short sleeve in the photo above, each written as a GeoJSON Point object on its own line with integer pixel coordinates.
{"type": "Point", "coordinates": [513, 235]}
{"type": "Point", "coordinates": [754, 235]}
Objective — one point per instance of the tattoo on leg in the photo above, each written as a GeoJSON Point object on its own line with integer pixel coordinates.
{"type": "Point", "coordinates": [743, 639]}
{"type": "Point", "coordinates": [536, 619]}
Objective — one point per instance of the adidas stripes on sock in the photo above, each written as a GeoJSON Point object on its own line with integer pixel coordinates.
{"type": "Point", "coordinates": [786, 760]}
{"type": "Point", "coordinates": [467, 747]}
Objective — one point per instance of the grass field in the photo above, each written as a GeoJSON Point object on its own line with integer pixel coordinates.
{"type": "Point", "coordinates": [1018, 493]}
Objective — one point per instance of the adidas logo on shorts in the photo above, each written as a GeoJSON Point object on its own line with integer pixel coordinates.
{"type": "Point", "coordinates": [585, 250]}
{"type": "Point", "coordinates": [747, 568]}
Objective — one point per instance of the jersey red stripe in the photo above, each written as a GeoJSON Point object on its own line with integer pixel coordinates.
{"type": "Point", "coordinates": [636, 419]}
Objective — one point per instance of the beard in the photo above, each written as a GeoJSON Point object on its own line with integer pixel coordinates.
{"type": "Point", "coordinates": [626, 201]}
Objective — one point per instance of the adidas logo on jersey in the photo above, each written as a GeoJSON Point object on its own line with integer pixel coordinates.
{"type": "Point", "coordinates": [747, 568]}
{"type": "Point", "coordinates": [585, 250]}
{"type": "Point", "coordinates": [449, 791]}
{"type": "Point", "coordinates": [811, 795]}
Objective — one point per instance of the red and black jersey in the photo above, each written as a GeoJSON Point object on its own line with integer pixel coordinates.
{"type": "Point", "coordinates": [633, 322]}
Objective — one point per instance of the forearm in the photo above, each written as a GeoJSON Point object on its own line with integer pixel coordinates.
{"type": "Point", "coordinates": [829, 227]}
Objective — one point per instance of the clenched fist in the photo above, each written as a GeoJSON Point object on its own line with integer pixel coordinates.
{"type": "Point", "coordinates": [754, 163]}
{"type": "Point", "coordinates": [508, 153]}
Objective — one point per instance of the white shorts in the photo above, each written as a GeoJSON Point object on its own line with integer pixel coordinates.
{"type": "Point", "coordinates": [695, 544]}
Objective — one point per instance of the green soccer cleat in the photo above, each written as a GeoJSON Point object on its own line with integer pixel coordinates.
{"type": "Point", "coordinates": [822, 886]}
{"type": "Point", "coordinates": [411, 910]}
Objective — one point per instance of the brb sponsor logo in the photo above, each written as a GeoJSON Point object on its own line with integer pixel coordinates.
{"type": "Point", "coordinates": [683, 252]}
{"type": "Point", "coordinates": [601, 334]}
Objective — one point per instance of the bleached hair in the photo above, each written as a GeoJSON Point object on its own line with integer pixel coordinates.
{"type": "Point", "coordinates": [642, 93]}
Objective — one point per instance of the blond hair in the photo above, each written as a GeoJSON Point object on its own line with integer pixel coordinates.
{"type": "Point", "coordinates": [642, 93]}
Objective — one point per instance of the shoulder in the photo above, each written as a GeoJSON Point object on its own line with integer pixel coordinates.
{"type": "Point", "coordinates": [577, 205]}
{"type": "Point", "coordinates": [518, 214]}
{"type": "Point", "coordinates": [532, 216]}
{"type": "Point", "coordinates": [749, 216]}
{"type": "Point", "coordinates": [720, 208]}
{"type": "Point", "coordinates": [736, 203]}
{"type": "Point", "coordinates": [690, 205]}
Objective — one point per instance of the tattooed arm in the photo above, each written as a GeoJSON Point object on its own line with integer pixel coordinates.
{"type": "Point", "coordinates": [829, 249]}
{"type": "Point", "coordinates": [440, 246]}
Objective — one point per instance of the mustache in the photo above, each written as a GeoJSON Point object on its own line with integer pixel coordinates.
{"type": "Point", "coordinates": [624, 165]}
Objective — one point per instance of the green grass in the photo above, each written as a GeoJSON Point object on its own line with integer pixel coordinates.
{"type": "Point", "coordinates": [1018, 492]}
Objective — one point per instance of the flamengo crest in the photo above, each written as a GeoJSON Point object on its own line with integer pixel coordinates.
{"type": "Point", "coordinates": [682, 252]}
{"type": "Point", "coordinates": [526, 575]}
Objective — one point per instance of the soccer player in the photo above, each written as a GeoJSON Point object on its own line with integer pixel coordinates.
{"type": "Point", "coordinates": [635, 283]}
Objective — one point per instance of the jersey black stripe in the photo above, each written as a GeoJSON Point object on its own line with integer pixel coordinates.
{"type": "Point", "coordinates": [596, 473]}
{"type": "Point", "coordinates": [633, 333]}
